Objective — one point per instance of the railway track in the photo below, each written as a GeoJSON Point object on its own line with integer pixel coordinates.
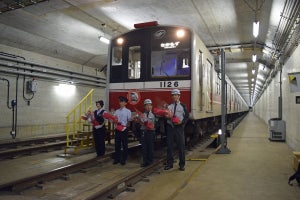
{"type": "Point", "coordinates": [19, 148]}
{"type": "Point", "coordinates": [124, 179]}
{"type": "Point", "coordinates": [24, 183]}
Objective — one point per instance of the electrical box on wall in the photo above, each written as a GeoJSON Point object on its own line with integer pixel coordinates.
{"type": "Point", "coordinates": [32, 86]}
{"type": "Point", "coordinates": [297, 99]}
{"type": "Point", "coordinates": [294, 80]}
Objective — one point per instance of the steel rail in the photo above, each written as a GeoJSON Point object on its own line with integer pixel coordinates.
{"type": "Point", "coordinates": [24, 183]}
{"type": "Point", "coordinates": [123, 184]}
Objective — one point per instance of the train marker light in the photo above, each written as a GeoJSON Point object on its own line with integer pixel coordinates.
{"type": "Point", "coordinates": [145, 24]}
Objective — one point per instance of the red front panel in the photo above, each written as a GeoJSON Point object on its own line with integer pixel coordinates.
{"type": "Point", "coordinates": [136, 98]}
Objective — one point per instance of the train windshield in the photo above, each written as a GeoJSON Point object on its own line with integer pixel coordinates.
{"type": "Point", "coordinates": [170, 63]}
{"type": "Point", "coordinates": [170, 53]}
{"type": "Point", "coordinates": [151, 54]}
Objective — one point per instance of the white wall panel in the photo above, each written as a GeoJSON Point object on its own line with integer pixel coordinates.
{"type": "Point", "coordinates": [47, 110]}
{"type": "Point", "coordinates": [267, 106]}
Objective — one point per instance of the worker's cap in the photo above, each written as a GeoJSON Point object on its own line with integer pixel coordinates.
{"type": "Point", "coordinates": [147, 101]}
{"type": "Point", "coordinates": [175, 91]}
{"type": "Point", "coordinates": [123, 99]}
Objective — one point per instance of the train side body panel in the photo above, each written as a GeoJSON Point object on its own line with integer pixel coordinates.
{"type": "Point", "coordinates": [205, 99]}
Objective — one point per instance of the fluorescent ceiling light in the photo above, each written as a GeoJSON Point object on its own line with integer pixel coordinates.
{"type": "Point", "coordinates": [255, 28]}
{"type": "Point", "coordinates": [254, 58]}
{"type": "Point", "coordinates": [104, 40]}
{"type": "Point", "coordinates": [261, 67]}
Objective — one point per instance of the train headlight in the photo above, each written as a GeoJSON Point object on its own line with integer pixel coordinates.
{"type": "Point", "coordinates": [120, 41]}
{"type": "Point", "coordinates": [180, 33]}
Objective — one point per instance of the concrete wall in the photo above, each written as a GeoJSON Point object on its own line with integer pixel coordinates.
{"type": "Point", "coordinates": [47, 110]}
{"type": "Point", "coordinates": [267, 106]}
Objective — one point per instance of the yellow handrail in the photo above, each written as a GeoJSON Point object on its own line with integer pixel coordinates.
{"type": "Point", "coordinates": [74, 124]}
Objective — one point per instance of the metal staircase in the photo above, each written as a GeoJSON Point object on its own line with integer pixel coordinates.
{"type": "Point", "coordinates": [79, 132]}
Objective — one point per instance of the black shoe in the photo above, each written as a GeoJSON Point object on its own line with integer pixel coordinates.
{"type": "Point", "coordinates": [123, 163]}
{"type": "Point", "coordinates": [167, 167]}
{"type": "Point", "coordinates": [144, 165]}
{"type": "Point", "coordinates": [115, 162]}
{"type": "Point", "coordinates": [181, 168]}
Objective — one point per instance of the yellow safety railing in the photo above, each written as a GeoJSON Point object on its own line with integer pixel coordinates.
{"type": "Point", "coordinates": [74, 124]}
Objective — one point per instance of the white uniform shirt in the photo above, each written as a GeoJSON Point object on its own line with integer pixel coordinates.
{"type": "Point", "coordinates": [123, 115]}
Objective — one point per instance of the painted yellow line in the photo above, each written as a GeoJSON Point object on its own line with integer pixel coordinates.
{"type": "Point", "coordinates": [185, 183]}
{"type": "Point", "coordinates": [196, 159]}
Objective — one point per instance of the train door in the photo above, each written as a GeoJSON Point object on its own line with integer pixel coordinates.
{"type": "Point", "coordinates": [209, 83]}
{"type": "Point", "coordinates": [229, 97]}
{"type": "Point", "coordinates": [126, 59]}
{"type": "Point", "coordinates": [201, 96]}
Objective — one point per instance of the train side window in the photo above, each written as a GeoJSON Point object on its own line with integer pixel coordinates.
{"type": "Point", "coordinates": [116, 71]}
{"type": "Point", "coordinates": [117, 55]}
{"type": "Point", "coordinates": [134, 62]}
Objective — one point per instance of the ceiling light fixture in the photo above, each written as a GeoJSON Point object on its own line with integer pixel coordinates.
{"type": "Point", "coordinates": [255, 28]}
{"type": "Point", "coordinates": [103, 39]}
{"type": "Point", "coordinates": [254, 58]}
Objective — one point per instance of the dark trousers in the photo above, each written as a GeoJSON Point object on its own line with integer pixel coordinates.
{"type": "Point", "coordinates": [147, 141]}
{"type": "Point", "coordinates": [121, 140]}
{"type": "Point", "coordinates": [176, 134]}
{"type": "Point", "coordinates": [99, 139]}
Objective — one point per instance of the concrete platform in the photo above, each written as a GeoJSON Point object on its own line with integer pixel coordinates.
{"type": "Point", "coordinates": [256, 169]}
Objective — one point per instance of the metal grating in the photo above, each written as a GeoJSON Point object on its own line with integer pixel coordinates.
{"type": "Point", "coordinates": [9, 5]}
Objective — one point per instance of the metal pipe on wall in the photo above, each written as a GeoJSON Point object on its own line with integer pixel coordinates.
{"type": "Point", "coordinates": [49, 67]}
{"type": "Point", "coordinates": [39, 72]}
{"type": "Point", "coordinates": [46, 77]}
{"type": "Point", "coordinates": [7, 95]}
{"type": "Point", "coordinates": [280, 96]}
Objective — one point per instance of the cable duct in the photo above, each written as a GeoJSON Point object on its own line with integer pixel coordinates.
{"type": "Point", "coordinates": [286, 38]}
{"type": "Point", "coordinates": [288, 25]}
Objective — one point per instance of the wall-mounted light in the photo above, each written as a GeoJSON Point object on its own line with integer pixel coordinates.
{"type": "Point", "coordinates": [255, 28]}
{"type": "Point", "coordinates": [219, 132]}
{"type": "Point", "coordinates": [254, 58]}
{"type": "Point", "coordinates": [253, 71]}
{"type": "Point", "coordinates": [65, 89]}
{"type": "Point", "coordinates": [103, 39]}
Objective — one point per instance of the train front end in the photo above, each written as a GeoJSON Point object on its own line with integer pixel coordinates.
{"type": "Point", "coordinates": [147, 63]}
